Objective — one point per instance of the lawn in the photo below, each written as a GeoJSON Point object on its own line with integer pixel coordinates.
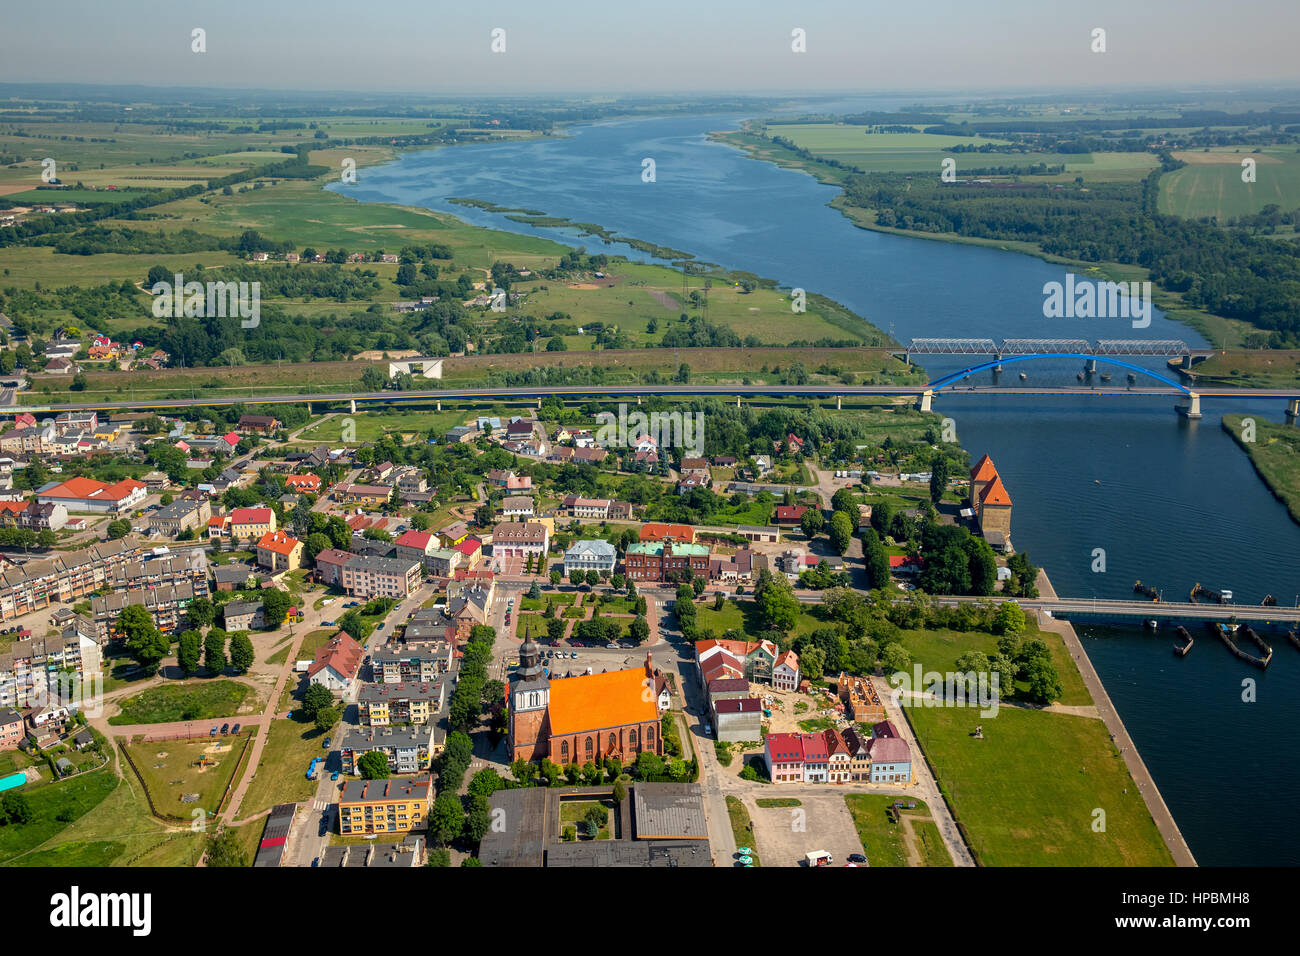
{"type": "Point", "coordinates": [282, 772]}
{"type": "Point", "coordinates": [1027, 792]}
{"type": "Point", "coordinates": [192, 700]}
{"type": "Point", "coordinates": [170, 769]}
{"type": "Point", "coordinates": [69, 799]}
{"type": "Point", "coordinates": [573, 812]}
{"type": "Point", "coordinates": [742, 828]}
{"type": "Point", "coordinates": [938, 650]}
{"type": "Point", "coordinates": [883, 841]}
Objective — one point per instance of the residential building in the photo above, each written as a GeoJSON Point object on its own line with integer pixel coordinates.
{"type": "Point", "coordinates": [257, 424]}
{"type": "Point", "coordinates": [329, 566]}
{"type": "Point", "coordinates": [861, 701]}
{"type": "Point", "coordinates": [243, 616]}
{"type": "Point", "coordinates": [165, 603]}
{"type": "Point", "coordinates": [383, 705]}
{"type": "Point", "coordinates": [279, 551]}
{"type": "Point", "coordinates": [369, 495]}
{"type": "Point", "coordinates": [365, 576]}
{"type": "Point", "coordinates": [12, 729]}
{"type": "Point", "coordinates": [251, 523]}
{"type": "Point", "coordinates": [417, 546]}
{"type": "Point", "coordinates": [29, 667]}
{"type": "Point", "coordinates": [384, 806]}
{"type": "Point", "coordinates": [517, 506]}
{"type": "Point", "coordinates": [337, 664]}
{"type": "Point", "coordinates": [737, 719]}
{"type": "Point", "coordinates": [752, 660]}
{"type": "Point", "coordinates": [412, 660]}
{"type": "Point", "coordinates": [785, 672]}
{"type": "Point", "coordinates": [508, 480]}
{"type": "Point", "coordinates": [655, 531]}
{"type": "Point", "coordinates": [408, 749]}
{"type": "Point", "coordinates": [180, 516]}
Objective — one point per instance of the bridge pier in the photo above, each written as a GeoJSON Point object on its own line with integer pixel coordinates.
{"type": "Point", "coordinates": [1292, 410]}
{"type": "Point", "coordinates": [638, 399]}
{"type": "Point", "coordinates": [927, 401]}
{"type": "Point", "coordinates": [352, 406]}
{"type": "Point", "coordinates": [539, 404]}
{"type": "Point", "coordinates": [1090, 366]}
{"type": "Point", "coordinates": [1191, 408]}
{"type": "Point", "coordinates": [438, 404]}
{"type": "Point", "coordinates": [839, 402]}
{"type": "Point", "coordinates": [1187, 360]}
{"type": "Point", "coordinates": [997, 369]}
{"type": "Point", "coordinates": [737, 401]}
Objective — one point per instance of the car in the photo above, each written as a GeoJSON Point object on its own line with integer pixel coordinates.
{"type": "Point", "coordinates": [213, 731]}
{"type": "Point", "coordinates": [627, 646]}
{"type": "Point", "coordinates": [334, 775]}
{"type": "Point", "coordinates": [379, 626]}
{"type": "Point", "coordinates": [573, 654]}
{"type": "Point", "coordinates": [327, 623]}
{"type": "Point", "coordinates": [857, 858]}
{"type": "Point", "coordinates": [225, 729]}
{"type": "Point", "coordinates": [235, 729]}
{"type": "Point", "coordinates": [743, 851]}
{"type": "Point", "coordinates": [326, 744]}
{"type": "Point", "coordinates": [611, 646]}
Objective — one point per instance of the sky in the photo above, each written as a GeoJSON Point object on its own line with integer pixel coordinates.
{"type": "Point", "coordinates": [430, 46]}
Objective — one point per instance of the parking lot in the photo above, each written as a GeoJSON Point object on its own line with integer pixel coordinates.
{"type": "Point", "coordinates": [785, 834]}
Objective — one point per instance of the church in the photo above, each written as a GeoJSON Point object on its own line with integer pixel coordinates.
{"type": "Point", "coordinates": [587, 717]}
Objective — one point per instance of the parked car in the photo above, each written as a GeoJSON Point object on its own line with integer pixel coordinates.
{"type": "Point", "coordinates": [379, 626]}
{"type": "Point", "coordinates": [235, 729]}
{"type": "Point", "coordinates": [225, 729]}
{"type": "Point", "coordinates": [857, 858]}
{"type": "Point", "coordinates": [573, 654]}
{"type": "Point", "coordinates": [611, 646]}
{"type": "Point", "coordinates": [213, 731]}
{"type": "Point", "coordinates": [334, 775]}
{"type": "Point", "coordinates": [326, 744]}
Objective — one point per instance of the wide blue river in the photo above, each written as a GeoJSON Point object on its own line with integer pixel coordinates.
{"type": "Point", "coordinates": [1171, 502]}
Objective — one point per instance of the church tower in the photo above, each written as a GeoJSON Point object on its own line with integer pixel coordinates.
{"type": "Point", "coordinates": [530, 694]}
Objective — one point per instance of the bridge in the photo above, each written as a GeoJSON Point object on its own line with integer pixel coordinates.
{"type": "Point", "coordinates": [977, 346]}
{"type": "Point", "coordinates": [1285, 618]}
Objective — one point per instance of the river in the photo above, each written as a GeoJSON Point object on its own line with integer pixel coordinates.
{"type": "Point", "coordinates": [1169, 501]}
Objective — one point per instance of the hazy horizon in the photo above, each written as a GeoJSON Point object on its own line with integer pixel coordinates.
{"type": "Point", "coordinates": [412, 47]}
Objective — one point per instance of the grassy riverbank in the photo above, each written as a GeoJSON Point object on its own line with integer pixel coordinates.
{"type": "Point", "coordinates": [1274, 450]}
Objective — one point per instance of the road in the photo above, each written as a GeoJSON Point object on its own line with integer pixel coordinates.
{"type": "Point", "coordinates": [635, 389]}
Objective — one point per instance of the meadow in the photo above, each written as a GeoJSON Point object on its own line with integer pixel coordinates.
{"type": "Point", "coordinates": [1211, 182]}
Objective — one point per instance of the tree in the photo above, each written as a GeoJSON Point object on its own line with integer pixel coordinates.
{"type": "Point", "coordinates": [327, 717]}
{"type": "Point", "coordinates": [639, 630]}
{"type": "Point", "coordinates": [812, 663]}
{"type": "Point", "coordinates": [372, 379]}
{"type": "Point", "coordinates": [373, 765]}
{"type": "Point", "coordinates": [779, 606]}
{"type": "Point", "coordinates": [1044, 682]}
{"type": "Point", "coordinates": [1009, 619]}
{"type": "Point", "coordinates": [478, 821]}
{"type": "Point", "coordinates": [241, 652]}
{"type": "Point", "coordinates": [142, 638]}
{"type": "Point", "coordinates": [14, 808]}
{"type": "Point", "coordinates": [649, 765]}
{"type": "Point", "coordinates": [119, 528]}
{"type": "Point", "coordinates": [201, 613]}
{"type": "Point", "coordinates": [556, 578]}
{"type": "Point", "coordinates": [188, 651]}
{"type": "Point", "coordinates": [214, 650]}
{"type": "Point", "coordinates": [447, 819]}
{"type": "Point", "coordinates": [940, 471]}
{"type": "Point", "coordinates": [46, 538]}
{"type": "Point", "coordinates": [275, 607]}
{"type": "Point", "coordinates": [812, 522]}
{"type": "Point", "coordinates": [841, 532]}
{"type": "Point", "coordinates": [620, 792]}
{"type": "Point", "coordinates": [224, 850]}
{"type": "Point", "coordinates": [895, 659]}
{"type": "Point", "coordinates": [314, 699]}
{"type": "Point", "coordinates": [697, 586]}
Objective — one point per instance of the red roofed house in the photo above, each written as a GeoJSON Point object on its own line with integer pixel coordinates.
{"type": "Point", "coordinates": [337, 664]}
{"type": "Point", "coordinates": [784, 753]}
{"type": "Point", "coordinates": [790, 514]}
{"type": "Point", "coordinates": [472, 549]}
{"type": "Point", "coordinates": [231, 439]}
{"type": "Point", "coordinates": [279, 551]}
{"type": "Point", "coordinates": [417, 545]}
{"type": "Point", "coordinates": [251, 522]}
{"type": "Point", "coordinates": [309, 483]}
{"type": "Point", "coordinates": [994, 513]}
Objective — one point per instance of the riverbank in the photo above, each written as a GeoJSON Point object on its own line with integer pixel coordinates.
{"type": "Point", "coordinates": [1218, 330]}
{"type": "Point", "coordinates": [1137, 768]}
{"type": "Point", "coordinates": [1274, 453]}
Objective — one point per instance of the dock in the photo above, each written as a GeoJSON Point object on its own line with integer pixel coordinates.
{"type": "Point", "coordinates": [1184, 643]}
{"type": "Point", "coordinates": [1225, 635]}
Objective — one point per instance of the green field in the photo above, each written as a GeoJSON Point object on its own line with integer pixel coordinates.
{"type": "Point", "coordinates": [170, 770]}
{"type": "Point", "coordinates": [1027, 792]}
{"type": "Point", "coordinates": [282, 771]}
{"type": "Point", "coordinates": [883, 840]}
{"type": "Point", "coordinates": [371, 427]}
{"type": "Point", "coordinates": [1211, 184]}
{"type": "Point", "coordinates": [195, 700]}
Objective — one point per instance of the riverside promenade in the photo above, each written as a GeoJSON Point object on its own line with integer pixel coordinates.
{"type": "Point", "coordinates": [1169, 831]}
